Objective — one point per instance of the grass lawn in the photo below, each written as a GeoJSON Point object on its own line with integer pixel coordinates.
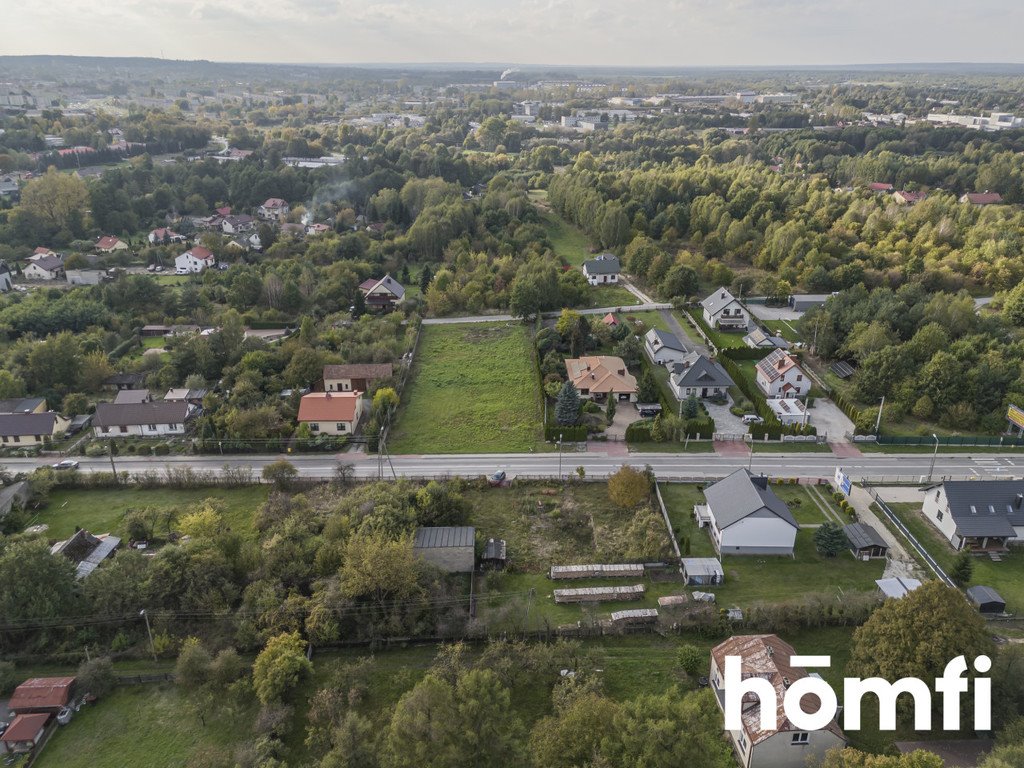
{"type": "Point", "coordinates": [1006, 577]}
{"type": "Point", "coordinates": [784, 328]}
{"type": "Point", "coordinates": [154, 342]}
{"type": "Point", "coordinates": [568, 242]}
{"type": "Point", "coordinates": [694, 446]}
{"type": "Point", "coordinates": [103, 510]}
{"type": "Point", "coordinates": [151, 725]}
{"type": "Point", "coordinates": [720, 339]}
{"type": "Point", "coordinates": [473, 389]}
{"type": "Point", "coordinates": [790, 447]}
{"type": "Point", "coordinates": [651, 319]}
{"type": "Point", "coordinates": [800, 503]}
{"type": "Point", "coordinates": [610, 296]}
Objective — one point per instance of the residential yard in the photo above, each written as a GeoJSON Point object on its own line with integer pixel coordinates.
{"type": "Point", "coordinates": [772, 579]}
{"type": "Point", "coordinates": [151, 725]}
{"type": "Point", "coordinates": [720, 339]}
{"type": "Point", "coordinates": [545, 525]}
{"type": "Point", "coordinates": [473, 389]}
{"type": "Point", "coordinates": [1006, 577]}
{"type": "Point", "coordinates": [103, 510]}
{"type": "Point", "coordinates": [784, 328]}
{"type": "Point", "coordinates": [609, 296]}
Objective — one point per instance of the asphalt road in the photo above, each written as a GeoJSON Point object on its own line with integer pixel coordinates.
{"type": "Point", "coordinates": [667, 466]}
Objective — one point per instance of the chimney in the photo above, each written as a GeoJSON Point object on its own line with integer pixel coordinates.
{"type": "Point", "coordinates": [1019, 500]}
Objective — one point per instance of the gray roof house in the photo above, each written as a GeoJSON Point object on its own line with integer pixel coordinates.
{"type": "Point", "coordinates": [450, 548]}
{"type": "Point", "coordinates": [723, 310]}
{"type": "Point", "coordinates": [758, 339]}
{"type": "Point", "coordinates": [602, 269]}
{"type": "Point", "coordinates": [698, 375]}
{"type": "Point", "coordinates": [746, 518]}
{"type": "Point", "coordinates": [865, 541]}
{"type": "Point", "coordinates": [664, 348]}
{"type": "Point", "coordinates": [86, 551]}
{"type": "Point", "coordinates": [150, 419]}
{"type": "Point", "coordinates": [977, 515]}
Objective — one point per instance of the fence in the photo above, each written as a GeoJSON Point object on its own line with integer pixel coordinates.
{"type": "Point", "coordinates": [898, 524]}
{"type": "Point", "coordinates": [969, 441]}
{"type": "Point", "coordinates": [668, 522]}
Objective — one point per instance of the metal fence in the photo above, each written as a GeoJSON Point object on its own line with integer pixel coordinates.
{"type": "Point", "coordinates": [898, 524]}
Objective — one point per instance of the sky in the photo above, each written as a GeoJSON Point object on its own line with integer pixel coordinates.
{"type": "Point", "coordinates": [566, 32]}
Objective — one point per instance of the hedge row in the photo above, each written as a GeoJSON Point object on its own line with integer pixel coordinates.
{"type": "Point", "coordinates": [640, 431]}
{"type": "Point", "coordinates": [574, 434]}
{"type": "Point", "coordinates": [847, 406]}
{"type": "Point", "coordinates": [775, 430]}
{"type": "Point", "coordinates": [743, 353]}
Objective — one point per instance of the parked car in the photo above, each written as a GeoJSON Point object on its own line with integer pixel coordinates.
{"type": "Point", "coordinates": [752, 418]}
{"type": "Point", "coordinates": [65, 464]}
{"type": "Point", "coordinates": [497, 479]}
{"type": "Point", "coordinates": [151, 268]}
{"type": "Point", "coordinates": [158, 268]}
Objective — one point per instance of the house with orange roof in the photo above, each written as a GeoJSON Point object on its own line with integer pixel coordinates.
{"type": "Point", "coordinates": [273, 209]}
{"type": "Point", "coordinates": [784, 746]}
{"type": "Point", "coordinates": [596, 376]}
{"type": "Point", "coordinates": [331, 413]}
{"type": "Point", "coordinates": [778, 375]}
{"type": "Point", "coordinates": [109, 244]}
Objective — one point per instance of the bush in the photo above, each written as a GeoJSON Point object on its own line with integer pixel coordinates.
{"type": "Point", "coordinates": [638, 432]}
{"type": "Point", "coordinates": [570, 434]}
{"type": "Point", "coordinates": [96, 677]}
{"type": "Point", "coordinates": [161, 449]}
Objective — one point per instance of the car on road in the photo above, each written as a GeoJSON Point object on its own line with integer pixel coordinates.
{"type": "Point", "coordinates": [497, 479]}
{"type": "Point", "coordinates": [752, 418]}
{"type": "Point", "coordinates": [65, 464]}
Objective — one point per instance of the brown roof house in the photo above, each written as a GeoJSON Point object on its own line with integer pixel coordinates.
{"type": "Point", "coordinates": [41, 694]}
{"type": "Point", "coordinates": [595, 376]}
{"type": "Point", "coordinates": [778, 375]}
{"type": "Point", "coordinates": [331, 413]}
{"type": "Point", "coordinates": [981, 198]}
{"type": "Point", "coordinates": [784, 746]}
{"type": "Point", "coordinates": [355, 377]}
{"type": "Point", "coordinates": [24, 733]}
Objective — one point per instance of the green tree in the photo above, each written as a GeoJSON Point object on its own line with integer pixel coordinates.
{"type": "Point", "coordinates": [353, 743]}
{"type": "Point", "coordinates": [74, 403]}
{"type": "Point", "coordinates": [192, 669]}
{"type": "Point", "coordinates": [280, 667]}
{"type": "Point", "coordinates": [57, 199]}
{"type": "Point", "coordinates": [609, 411]}
{"type": "Point", "coordinates": [567, 406]}
{"type": "Point", "coordinates": [572, 736]}
{"type": "Point", "coordinates": [853, 758]}
{"type": "Point", "coordinates": [421, 734]}
{"type": "Point", "coordinates": [629, 487]}
{"type": "Point", "coordinates": [378, 567]}
{"type": "Point", "coordinates": [486, 731]}
{"type": "Point", "coordinates": [692, 659]}
{"type": "Point", "coordinates": [830, 539]}
{"type": "Point", "coordinates": [96, 676]}
{"type": "Point", "coordinates": [691, 407]}
{"type": "Point", "coordinates": [917, 635]}
{"type": "Point", "coordinates": [282, 473]}
{"type": "Point", "coordinates": [962, 570]}
{"type": "Point", "coordinates": [647, 390]}
{"type": "Point", "coordinates": [385, 400]}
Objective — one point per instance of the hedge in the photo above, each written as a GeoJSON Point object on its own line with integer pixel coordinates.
{"type": "Point", "coordinates": [743, 353]}
{"type": "Point", "coordinates": [639, 432]}
{"type": "Point", "coordinates": [572, 434]}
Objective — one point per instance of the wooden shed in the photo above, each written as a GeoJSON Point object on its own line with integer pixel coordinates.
{"type": "Point", "coordinates": [450, 548]}
{"type": "Point", "coordinates": [986, 599]}
{"type": "Point", "coordinates": [599, 594]}
{"type": "Point", "coordinates": [597, 571]}
{"type": "Point", "coordinates": [635, 617]}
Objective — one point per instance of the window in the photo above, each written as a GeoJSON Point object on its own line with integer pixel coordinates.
{"type": "Point", "coordinates": [938, 515]}
{"type": "Point", "coordinates": [799, 377]}
{"type": "Point", "coordinates": [17, 439]}
{"type": "Point", "coordinates": [341, 426]}
{"type": "Point", "coordinates": [743, 743]}
{"type": "Point", "coordinates": [800, 739]}
{"type": "Point", "coordinates": [124, 430]}
{"type": "Point", "coordinates": [314, 427]}
{"type": "Point", "coordinates": [347, 386]}
{"type": "Point", "coordinates": [106, 430]}
{"type": "Point", "coordinates": [151, 427]}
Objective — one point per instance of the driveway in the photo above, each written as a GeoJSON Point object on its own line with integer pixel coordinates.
{"type": "Point", "coordinates": [625, 414]}
{"type": "Point", "coordinates": [725, 422]}
{"type": "Point", "coordinates": [829, 420]}
{"type": "Point", "coordinates": [774, 313]}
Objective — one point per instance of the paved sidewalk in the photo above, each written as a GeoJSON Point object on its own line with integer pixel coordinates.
{"type": "Point", "coordinates": [845, 450]}
{"type": "Point", "coordinates": [731, 448]}
{"type": "Point", "coordinates": [899, 563]}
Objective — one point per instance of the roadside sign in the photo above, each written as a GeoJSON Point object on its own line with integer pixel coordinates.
{"type": "Point", "coordinates": [843, 481]}
{"type": "Point", "coordinates": [1015, 416]}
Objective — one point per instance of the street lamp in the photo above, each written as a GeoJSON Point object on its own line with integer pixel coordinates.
{"type": "Point", "coordinates": [750, 462]}
{"type": "Point", "coordinates": [559, 457]}
{"type": "Point", "coordinates": [878, 421]}
{"type": "Point", "coordinates": [931, 469]}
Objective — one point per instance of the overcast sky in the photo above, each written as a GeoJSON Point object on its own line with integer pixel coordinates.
{"type": "Point", "coordinates": [614, 32]}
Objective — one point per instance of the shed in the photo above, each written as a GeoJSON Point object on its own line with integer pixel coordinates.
{"type": "Point", "coordinates": [599, 594]}
{"type": "Point", "coordinates": [704, 571]}
{"type": "Point", "coordinates": [635, 616]}
{"type": "Point", "coordinates": [986, 599]}
{"type": "Point", "coordinates": [495, 554]}
{"type": "Point", "coordinates": [865, 541]}
{"type": "Point", "coordinates": [597, 571]}
{"type": "Point", "coordinates": [450, 548]}
{"type": "Point", "coordinates": [24, 732]}
{"type": "Point", "coordinates": [15, 494]}
{"type": "Point", "coordinates": [898, 587]}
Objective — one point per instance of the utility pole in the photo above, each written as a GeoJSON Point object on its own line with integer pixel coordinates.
{"type": "Point", "coordinates": [878, 421]}
{"type": "Point", "coordinates": [750, 462]}
{"type": "Point", "coordinates": [149, 631]}
{"type": "Point", "coordinates": [931, 469]}
{"type": "Point", "coordinates": [560, 457]}
{"type": "Point", "coordinates": [113, 469]}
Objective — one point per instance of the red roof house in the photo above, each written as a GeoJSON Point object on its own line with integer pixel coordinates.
{"type": "Point", "coordinates": [41, 694]}
{"type": "Point", "coordinates": [24, 732]}
{"type": "Point", "coordinates": [331, 413]}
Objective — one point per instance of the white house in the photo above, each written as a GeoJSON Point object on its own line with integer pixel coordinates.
{"type": "Point", "coordinates": [977, 515]}
{"type": "Point", "coordinates": [789, 410]}
{"type": "Point", "coordinates": [273, 209]}
{"type": "Point", "coordinates": [784, 746]}
{"type": "Point", "coordinates": [778, 375]}
{"type": "Point", "coordinates": [602, 270]}
{"type": "Point", "coordinates": [235, 225]}
{"type": "Point", "coordinates": [164, 235]}
{"type": "Point", "coordinates": [44, 268]}
{"type": "Point", "coordinates": [746, 518]}
{"type": "Point", "coordinates": [699, 376]}
{"type": "Point", "coordinates": [723, 310]}
{"type": "Point", "coordinates": [194, 260]}
{"type": "Point", "coordinates": [109, 244]}
{"type": "Point", "coordinates": [663, 348]}
{"type": "Point", "coordinates": [149, 419]}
